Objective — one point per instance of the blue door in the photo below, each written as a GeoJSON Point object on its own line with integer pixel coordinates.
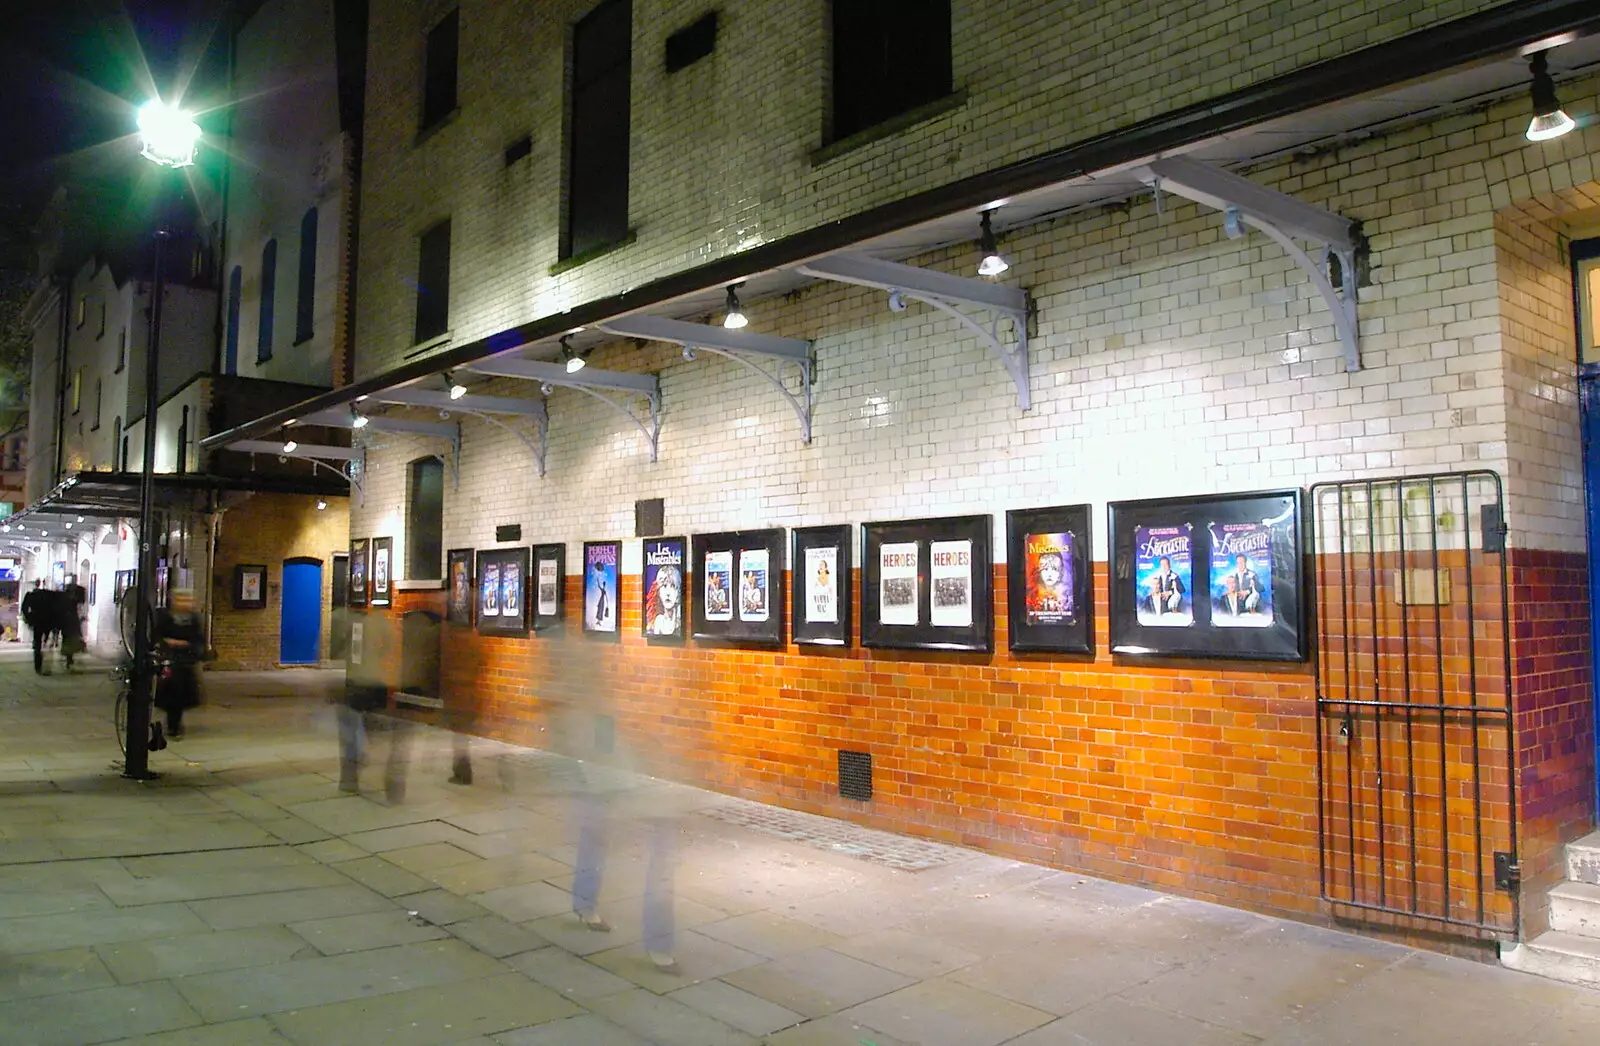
{"type": "Point", "coordinates": [301, 642]}
{"type": "Point", "coordinates": [1589, 387]}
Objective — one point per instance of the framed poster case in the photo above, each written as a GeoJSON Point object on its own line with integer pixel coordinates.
{"type": "Point", "coordinates": [250, 586]}
{"type": "Point", "coordinates": [926, 584]}
{"type": "Point", "coordinates": [382, 567]}
{"type": "Point", "coordinates": [740, 597]}
{"type": "Point", "coordinates": [1050, 580]}
{"type": "Point", "coordinates": [121, 585]}
{"type": "Point", "coordinates": [360, 571]}
{"type": "Point", "coordinates": [602, 574]}
{"type": "Point", "coordinates": [458, 567]}
{"type": "Point", "coordinates": [502, 589]}
{"type": "Point", "coordinates": [661, 591]}
{"type": "Point", "coordinates": [821, 607]}
{"type": "Point", "coordinates": [549, 597]}
{"type": "Point", "coordinates": [1215, 576]}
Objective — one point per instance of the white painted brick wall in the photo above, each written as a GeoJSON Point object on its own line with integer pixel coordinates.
{"type": "Point", "coordinates": [1168, 360]}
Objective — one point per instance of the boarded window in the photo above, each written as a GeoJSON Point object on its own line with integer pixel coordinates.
{"type": "Point", "coordinates": [597, 196]}
{"type": "Point", "coordinates": [433, 283]}
{"type": "Point", "coordinates": [889, 57]}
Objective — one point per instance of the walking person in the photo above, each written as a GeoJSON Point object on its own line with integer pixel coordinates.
{"type": "Point", "coordinates": [69, 619]}
{"type": "Point", "coordinates": [35, 614]}
{"type": "Point", "coordinates": [178, 637]}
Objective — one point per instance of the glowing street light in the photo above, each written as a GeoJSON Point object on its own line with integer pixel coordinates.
{"type": "Point", "coordinates": [170, 134]}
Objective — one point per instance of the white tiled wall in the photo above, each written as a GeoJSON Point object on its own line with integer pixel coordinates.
{"type": "Point", "coordinates": [1167, 360]}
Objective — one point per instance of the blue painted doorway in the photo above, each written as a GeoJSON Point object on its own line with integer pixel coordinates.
{"type": "Point", "coordinates": [301, 630]}
{"type": "Point", "coordinates": [1586, 306]}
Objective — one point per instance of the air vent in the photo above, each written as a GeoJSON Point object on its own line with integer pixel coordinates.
{"type": "Point", "coordinates": [520, 149]}
{"type": "Point", "coordinates": [649, 517]}
{"type": "Point", "coordinates": [855, 775]}
{"type": "Point", "coordinates": [692, 43]}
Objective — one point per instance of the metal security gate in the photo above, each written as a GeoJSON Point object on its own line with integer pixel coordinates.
{"type": "Point", "coordinates": [1416, 795]}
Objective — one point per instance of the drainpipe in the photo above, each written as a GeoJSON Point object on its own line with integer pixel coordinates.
{"type": "Point", "coordinates": [215, 516]}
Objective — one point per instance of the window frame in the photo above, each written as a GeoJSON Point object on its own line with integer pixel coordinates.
{"type": "Point", "coordinates": [305, 303]}
{"type": "Point", "coordinates": [122, 351]}
{"type": "Point", "coordinates": [584, 136]}
{"type": "Point", "coordinates": [416, 534]}
{"type": "Point", "coordinates": [267, 306]}
{"type": "Point", "coordinates": [432, 111]}
{"type": "Point", "coordinates": [429, 283]}
{"type": "Point", "coordinates": [862, 86]}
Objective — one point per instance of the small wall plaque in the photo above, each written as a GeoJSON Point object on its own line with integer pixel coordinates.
{"type": "Point", "coordinates": [508, 532]}
{"type": "Point", "coordinates": [649, 517]}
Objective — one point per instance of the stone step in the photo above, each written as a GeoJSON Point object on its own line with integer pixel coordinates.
{"type": "Point", "coordinates": [1557, 955]}
{"type": "Point", "coordinates": [1583, 859]}
{"type": "Point", "coordinates": [1575, 909]}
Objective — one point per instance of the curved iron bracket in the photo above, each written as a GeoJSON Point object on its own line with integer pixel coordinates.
{"type": "Point", "coordinates": [651, 432]}
{"type": "Point", "coordinates": [1341, 302]}
{"type": "Point", "coordinates": [451, 459]}
{"type": "Point", "coordinates": [541, 422]}
{"type": "Point", "coordinates": [801, 404]}
{"type": "Point", "coordinates": [1015, 359]}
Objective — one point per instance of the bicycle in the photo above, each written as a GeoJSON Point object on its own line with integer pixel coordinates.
{"type": "Point", "coordinates": [123, 675]}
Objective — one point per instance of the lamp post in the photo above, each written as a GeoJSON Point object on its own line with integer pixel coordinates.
{"type": "Point", "coordinates": [170, 136]}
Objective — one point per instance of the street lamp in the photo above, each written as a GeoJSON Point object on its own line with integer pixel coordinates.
{"type": "Point", "coordinates": [170, 137]}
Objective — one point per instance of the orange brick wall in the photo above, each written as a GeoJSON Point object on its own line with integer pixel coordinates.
{"type": "Point", "coordinates": [1200, 778]}
{"type": "Point", "coordinates": [267, 529]}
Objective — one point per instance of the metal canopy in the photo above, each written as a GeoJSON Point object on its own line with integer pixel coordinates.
{"type": "Point", "coordinates": [737, 345]}
{"type": "Point", "coordinates": [600, 384]}
{"type": "Point", "coordinates": [484, 408]}
{"type": "Point", "coordinates": [947, 293]}
{"type": "Point", "coordinates": [344, 419]}
{"type": "Point", "coordinates": [104, 497]}
{"type": "Point", "coordinates": [1281, 217]}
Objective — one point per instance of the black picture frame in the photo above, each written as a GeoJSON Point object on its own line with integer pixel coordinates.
{"type": "Point", "coordinates": [382, 572]}
{"type": "Point", "coordinates": [745, 607]}
{"type": "Point", "coordinates": [500, 592]}
{"type": "Point", "coordinates": [250, 586]}
{"type": "Point", "coordinates": [460, 586]}
{"type": "Point", "coordinates": [1213, 618]}
{"type": "Point", "coordinates": [663, 588]}
{"type": "Point", "coordinates": [602, 583]}
{"type": "Point", "coordinates": [809, 609]}
{"type": "Point", "coordinates": [1045, 615]}
{"type": "Point", "coordinates": [94, 588]}
{"type": "Point", "coordinates": [548, 614]}
{"type": "Point", "coordinates": [360, 571]}
{"type": "Point", "coordinates": [910, 618]}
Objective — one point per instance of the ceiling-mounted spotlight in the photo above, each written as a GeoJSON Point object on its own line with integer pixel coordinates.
{"type": "Point", "coordinates": [357, 419]}
{"type": "Point", "coordinates": [322, 503]}
{"type": "Point", "coordinates": [547, 388]}
{"type": "Point", "coordinates": [457, 390]}
{"type": "Point", "coordinates": [688, 353]}
{"type": "Point", "coordinates": [289, 445]}
{"type": "Point", "coordinates": [80, 519]}
{"type": "Point", "coordinates": [360, 398]}
{"type": "Point", "coordinates": [1549, 120]}
{"type": "Point", "coordinates": [735, 317]}
{"type": "Point", "coordinates": [994, 263]}
{"type": "Point", "coordinates": [575, 359]}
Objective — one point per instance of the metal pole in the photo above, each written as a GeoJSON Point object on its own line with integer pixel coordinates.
{"type": "Point", "coordinates": [137, 765]}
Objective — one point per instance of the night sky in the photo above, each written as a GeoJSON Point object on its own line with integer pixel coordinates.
{"type": "Point", "coordinates": [72, 74]}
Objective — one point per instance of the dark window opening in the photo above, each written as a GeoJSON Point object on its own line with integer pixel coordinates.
{"type": "Point", "coordinates": [433, 283]}
{"type": "Point", "coordinates": [889, 57]}
{"type": "Point", "coordinates": [440, 68]}
{"type": "Point", "coordinates": [520, 149]}
{"type": "Point", "coordinates": [99, 400]}
{"type": "Point", "coordinates": [182, 464]}
{"type": "Point", "coordinates": [692, 43]}
{"type": "Point", "coordinates": [425, 520]}
{"type": "Point", "coordinates": [102, 332]}
{"type": "Point", "coordinates": [305, 305]}
{"type": "Point", "coordinates": [230, 362]}
{"type": "Point", "coordinates": [124, 466]}
{"type": "Point", "coordinates": [119, 456]}
{"type": "Point", "coordinates": [597, 177]}
{"type": "Point", "coordinates": [269, 291]}
{"type": "Point", "coordinates": [122, 350]}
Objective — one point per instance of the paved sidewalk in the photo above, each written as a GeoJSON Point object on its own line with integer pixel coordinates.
{"type": "Point", "coordinates": [242, 900]}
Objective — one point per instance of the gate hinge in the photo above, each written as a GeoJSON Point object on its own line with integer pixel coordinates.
{"type": "Point", "coordinates": [1507, 870]}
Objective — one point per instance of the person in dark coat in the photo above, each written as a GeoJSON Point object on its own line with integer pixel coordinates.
{"type": "Point", "coordinates": [178, 636]}
{"type": "Point", "coordinates": [70, 602]}
{"type": "Point", "coordinates": [36, 614]}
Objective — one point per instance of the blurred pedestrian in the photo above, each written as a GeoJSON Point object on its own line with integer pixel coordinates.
{"type": "Point", "coordinates": [36, 613]}
{"type": "Point", "coordinates": [181, 644]}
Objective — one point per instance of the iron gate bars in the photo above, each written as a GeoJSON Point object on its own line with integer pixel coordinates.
{"type": "Point", "coordinates": [1416, 802]}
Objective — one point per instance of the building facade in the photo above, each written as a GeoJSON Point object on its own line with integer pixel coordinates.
{"type": "Point", "coordinates": [227, 527]}
{"type": "Point", "coordinates": [600, 182]}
